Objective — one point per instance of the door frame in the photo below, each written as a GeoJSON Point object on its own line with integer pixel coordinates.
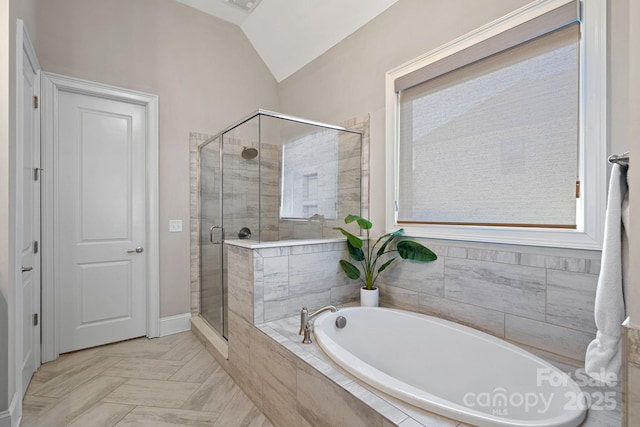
{"type": "Point", "coordinates": [52, 84]}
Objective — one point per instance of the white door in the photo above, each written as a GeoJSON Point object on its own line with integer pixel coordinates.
{"type": "Point", "coordinates": [100, 222]}
{"type": "Point", "coordinates": [29, 221]}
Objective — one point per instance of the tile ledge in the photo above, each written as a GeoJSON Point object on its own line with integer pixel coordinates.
{"type": "Point", "coordinates": [252, 244]}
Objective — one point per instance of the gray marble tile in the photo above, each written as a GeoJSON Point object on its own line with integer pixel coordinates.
{"type": "Point", "coordinates": [456, 252]}
{"type": "Point", "coordinates": [339, 408]}
{"type": "Point", "coordinates": [273, 364]}
{"type": "Point", "coordinates": [578, 265]}
{"type": "Point", "coordinates": [374, 400]}
{"type": "Point", "coordinates": [409, 422]}
{"type": "Point", "coordinates": [571, 299]}
{"type": "Point", "coordinates": [416, 276]}
{"type": "Point", "coordinates": [486, 320]}
{"type": "Point", "coordinates": [552, 262]}
{"type": "Point", "coordinates": [533, 260]}
{"type": "Point", "coordinates": [493, 256]}
{"type": "Point", "coordinates": [512, 289]}
{"type": "Point", "coordinates": [555, 339]}
{"type": "Point", "coordinates": [344, 294]}
{"type": "Point", "coordinates": [282, 407]}
{"type": "Point", "coordinates": [278, 309]}
{"type": "Point", "coordinates": [633, 345]}
{"type": "Point", "coordinates": [270, 252]}
{"type": "Point", "coordinates": [633, 397]}
{"type": "Point", "coordinates": [241, 296]}
{"type": "Point", "coordinates": [315, 272]}
{"type": "Point", "coordinates": [239, 335]}
{"type": "Point", "coordinates": [397, 297]}
{"type": "Point", "coordinates": [276, 277]}
{"type": "Point", "coordinates": [594, 266]}
{"type": "Point", "coordinates": [320, 247]}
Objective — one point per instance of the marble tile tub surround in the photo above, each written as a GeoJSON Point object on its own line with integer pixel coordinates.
{"type": "Point", "coordinates": [298, 389]}
{"type": "Point", "coordinates": [290, 388]}
{"type": "Point", "coordinates": [395, 411]}
{"type": "Point", "coordinates": [539, 297]}
{"type": "Point", "coordinates": [631, 376]}
{"type": "Point", "coordinates": [542, 300]}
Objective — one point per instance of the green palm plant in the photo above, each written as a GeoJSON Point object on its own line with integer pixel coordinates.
{"type": "Point", "coordinates": [368, 256]}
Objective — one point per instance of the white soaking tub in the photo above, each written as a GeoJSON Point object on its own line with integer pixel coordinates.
{"type": "Point", "coordinates": [449, 369]}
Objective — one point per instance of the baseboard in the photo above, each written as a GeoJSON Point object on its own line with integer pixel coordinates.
{"type": "Point", "coordinates": [173, 324]}
{"type": "Point", "coordinates": [11, 417]}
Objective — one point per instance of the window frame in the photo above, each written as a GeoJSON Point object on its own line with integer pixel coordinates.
{"type": "Point", "coordinates": [592, 167]}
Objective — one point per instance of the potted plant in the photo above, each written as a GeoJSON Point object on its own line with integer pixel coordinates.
{"type": "Point", "coordinates": [368, 256]}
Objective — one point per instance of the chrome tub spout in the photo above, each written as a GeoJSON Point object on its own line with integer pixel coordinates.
{"type": "Point", "coordinates": [305, 317]}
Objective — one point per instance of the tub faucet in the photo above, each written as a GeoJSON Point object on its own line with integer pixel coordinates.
{"type": "Point", "coordinates": [305, 326]}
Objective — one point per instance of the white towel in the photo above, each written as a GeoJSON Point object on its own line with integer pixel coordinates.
{"type": "Point", "coordinates": [603, 358]}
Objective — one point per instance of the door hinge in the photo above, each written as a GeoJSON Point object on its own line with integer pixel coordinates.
{"type": "Point", "coordinates": [35, 101]}
{"type": "Point", "coordinates": [35, 247]}
{"type": "Point", "coordinates": [35, 319]}
{"type": "Point", "coordinates": [578, 189]}
{"type": "Point", "coordinates": [36, 173]}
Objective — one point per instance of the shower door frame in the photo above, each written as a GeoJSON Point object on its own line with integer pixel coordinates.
{"type": "Point", "coordinates": [219, 137]}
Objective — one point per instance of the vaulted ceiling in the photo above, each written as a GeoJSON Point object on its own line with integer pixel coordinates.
{"type": "Point", "coordinates": [288, 34]}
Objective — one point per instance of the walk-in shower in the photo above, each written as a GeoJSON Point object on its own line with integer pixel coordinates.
{"type": "Point", "coordinates": [271, 177]}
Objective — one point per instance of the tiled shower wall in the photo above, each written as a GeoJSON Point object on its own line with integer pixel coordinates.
{"type": "Point", "coordinates": [535, 296]}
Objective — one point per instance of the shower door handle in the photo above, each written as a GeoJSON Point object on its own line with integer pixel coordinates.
{"type": "Point", "coordinates": [216, 242]}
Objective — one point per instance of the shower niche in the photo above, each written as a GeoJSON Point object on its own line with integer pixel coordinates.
{"type": "Point", "coordinates": [271, 178]}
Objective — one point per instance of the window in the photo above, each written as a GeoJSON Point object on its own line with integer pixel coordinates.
{"type": "Point", "coordinates": [310, 176]}
{"type": "Point", "coordinates": [487, 137]}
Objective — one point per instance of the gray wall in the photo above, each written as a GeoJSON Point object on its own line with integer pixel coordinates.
{"type": "Point", "coordinates": [205, 71]}
{"type": "Point", "coordinates": [349, 78]}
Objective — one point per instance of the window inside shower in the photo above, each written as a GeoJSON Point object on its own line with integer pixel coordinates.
{"type": "Point", "coordinates": [271, 178]}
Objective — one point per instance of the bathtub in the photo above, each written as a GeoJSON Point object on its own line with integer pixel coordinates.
{"type": "Point", "coordinates": [449, 369]}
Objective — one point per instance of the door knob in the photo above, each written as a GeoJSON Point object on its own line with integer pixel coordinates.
{"type": "Point", "coordinates": [137, 250]}
{"type": "Point", "coordinates": [25, 269]}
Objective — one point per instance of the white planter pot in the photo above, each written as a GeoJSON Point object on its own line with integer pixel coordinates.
{"type": "Point", "coordinates": [369, 298]}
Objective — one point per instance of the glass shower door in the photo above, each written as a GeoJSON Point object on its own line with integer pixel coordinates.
{"type": "Point", "coordinates": [212, 294]}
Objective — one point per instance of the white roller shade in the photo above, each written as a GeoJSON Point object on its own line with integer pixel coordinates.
{"type": "Point", "coordinates": [496, 141]}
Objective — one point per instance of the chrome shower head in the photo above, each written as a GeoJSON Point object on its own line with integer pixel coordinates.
{"type": "Point", "coordinates": [249, 153]}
